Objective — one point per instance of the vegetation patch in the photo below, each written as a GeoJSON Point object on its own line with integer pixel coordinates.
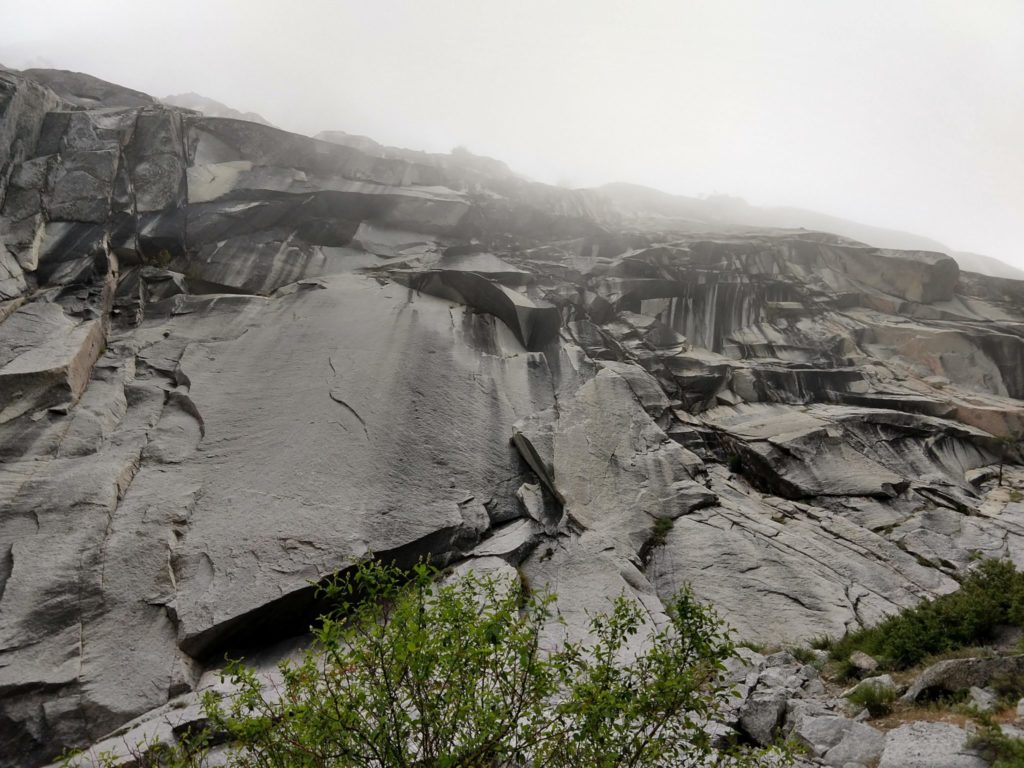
{"type": "Point", "coordinates": [428, 671]}
{"type": "Point", "coordinates": [659, 534]}
{"type": "Point", "coordinates": [990, 596]}
{"type": "Point", "coordinates": [877, 699]}
{"type": "Point", "coordinates": [805, 655]}
{"type": "Point", "coordinates": [996, 747]}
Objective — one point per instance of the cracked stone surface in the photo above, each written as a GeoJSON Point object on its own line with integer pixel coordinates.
{"type": "Point", "coordinates": [235, 360]}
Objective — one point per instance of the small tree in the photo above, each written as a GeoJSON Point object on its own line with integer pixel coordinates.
{"type": "Point", "coordinates": [413, 671]}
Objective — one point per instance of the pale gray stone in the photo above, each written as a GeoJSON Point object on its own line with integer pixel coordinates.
{"type": "Point", "coordinates": [863, 662]}
{"type": "Point", "coordinates": [761, 715]}
{"type": "Point", "coordinates": [982, 699]}
{"type": "Point", "coordinates": [511, 542]}
{"type": "Point", "coordinates": [862, 745]}
{"type": "Point", "coordinates": [928, 745]}
{"type": "Point", "coordinates": [822, 734]}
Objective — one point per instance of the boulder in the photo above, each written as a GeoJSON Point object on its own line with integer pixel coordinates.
{"type": "Point", "coordinates": [880, 683]}
{"type": "Point", "coordinates": [760, 716]}
{"type": "Point", "coordinates": [862, 662]}
{"type": "Point", "coordinates": [982, 699]}
{"type": "Point", "coordinates": [838, 740]}
{"type": "Point", "coordinates": [955, 675]}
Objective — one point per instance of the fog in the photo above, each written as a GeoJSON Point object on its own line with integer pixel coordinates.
{"type": "Point", "coordinates": [899, 113]}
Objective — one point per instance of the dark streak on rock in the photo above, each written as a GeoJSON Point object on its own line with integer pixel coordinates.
{"type": "Point", "coordinates": [351, 410]}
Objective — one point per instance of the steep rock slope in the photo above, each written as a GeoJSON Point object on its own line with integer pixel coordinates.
{"type": "Point", "coordinates": [234, 360]}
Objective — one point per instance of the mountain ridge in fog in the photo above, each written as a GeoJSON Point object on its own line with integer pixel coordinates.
{"type": "Point", "coordinates": [727, 211]}
{"type": "Point", "coordinates": [644, 205]}
{"type": "Point", "coordinates": [212, 107]}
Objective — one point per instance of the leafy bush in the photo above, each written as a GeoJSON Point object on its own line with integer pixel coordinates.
{"type": "Point", "coordinates": [413, 670]}
{"type": "Point", "coordinates": [989, 596]}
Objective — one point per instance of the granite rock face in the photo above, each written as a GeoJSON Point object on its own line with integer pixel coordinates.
{"type": "Point", "coordinates": [235, 360]}
{"type": "Point", "coordinates": [929, 745]}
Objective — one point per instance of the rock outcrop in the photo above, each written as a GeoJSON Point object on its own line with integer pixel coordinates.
{"type": "Point", "coordinates": [235, 360]}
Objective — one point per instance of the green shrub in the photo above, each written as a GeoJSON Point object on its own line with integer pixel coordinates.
{"type": "Point", "coordinates": [803, 655]}
{"type": "Point", "coordinates": [660, 531]}
{"type": "Point", "coordinates": [1009, 687]}
{"type": "Point", "coordinates": [994, 746]}
{"type": "Point", "coordinates": [991, 595]}
{"type": "Point", "coordinates": [412, 670]}
{"type": "Point", "coordinates": [847, 671]}
{"type": "Point", "coordinates": [877, 699]}
{"type": "Point", "coordinates": [822, 642]}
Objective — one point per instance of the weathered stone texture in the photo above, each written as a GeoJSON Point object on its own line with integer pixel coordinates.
{"type": "Point", "coordinates": [235, 360]}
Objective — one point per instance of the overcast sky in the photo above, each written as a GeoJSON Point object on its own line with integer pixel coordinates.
{"type": "Point", "coordinates": [899, 113]}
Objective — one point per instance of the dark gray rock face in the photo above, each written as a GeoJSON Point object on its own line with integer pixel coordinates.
{"type": "Point", "coordinates": [86, 91]}
{"type": "Point", "coordinates": [234, 360]}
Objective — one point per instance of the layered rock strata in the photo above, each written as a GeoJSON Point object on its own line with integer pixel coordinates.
{"type": "Point", "coordinates": [234, 360]}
